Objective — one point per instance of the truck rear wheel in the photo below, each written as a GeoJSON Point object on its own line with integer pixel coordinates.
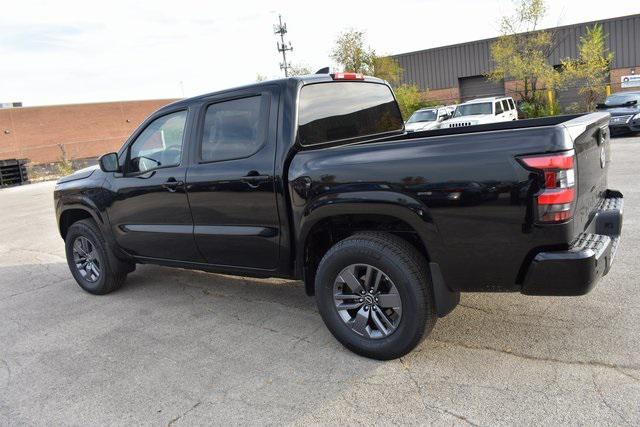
{"type": "Point", "coordinates": [88, 259]}
{"type": "Point", "coordinates": [374, 294]}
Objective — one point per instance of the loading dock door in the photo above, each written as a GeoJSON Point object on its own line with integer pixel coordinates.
{"type": "Point", "coordinates": [479, 87]}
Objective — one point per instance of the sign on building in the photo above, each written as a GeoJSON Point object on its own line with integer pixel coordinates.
{"type": "Point", "coordinates": [630, 81]}
{"type": "Point", "coordinates": [10, 104]}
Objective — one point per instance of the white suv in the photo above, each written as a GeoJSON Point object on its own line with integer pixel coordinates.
{"type": "Point", "coordinates": [427, 119]}
{"type": "Point", "coordinates": [482, 111]}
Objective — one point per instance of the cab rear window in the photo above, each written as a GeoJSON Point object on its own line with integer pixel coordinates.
{"type": "Point", "coordinates": [345, 111]}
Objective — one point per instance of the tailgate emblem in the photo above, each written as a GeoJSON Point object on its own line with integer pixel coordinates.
{"type": "Point", "coordinates": [603, 157]}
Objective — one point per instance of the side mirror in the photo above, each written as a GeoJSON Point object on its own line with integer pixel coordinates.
{"type": "Point", "coordinates": [109, 162]}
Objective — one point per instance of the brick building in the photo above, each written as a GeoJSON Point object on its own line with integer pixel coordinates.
{"type": "Point", "coordinates": [84, 131]}
{"type": "Point", "coordinates": [457, 73]}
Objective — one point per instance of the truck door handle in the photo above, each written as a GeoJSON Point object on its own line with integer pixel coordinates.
{"type": "Point", "coordinates": [172, 185]}
{"type": "Point", "coordinates": [253, 180]}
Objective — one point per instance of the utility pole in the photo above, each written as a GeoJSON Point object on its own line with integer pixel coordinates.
{"type": "Point", "coordinates": [281, 28]}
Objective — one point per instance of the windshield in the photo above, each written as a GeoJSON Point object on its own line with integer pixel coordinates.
{"type": "Point", "coordinates": [473, 109]}
{"type": "Point", "coordinates": [423, 116]}
{"type": "Point", "coordinates": [622, 98]}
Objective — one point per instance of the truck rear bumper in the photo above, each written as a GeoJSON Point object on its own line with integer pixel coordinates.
{"type": "Point", "coordinates": [577, 270]}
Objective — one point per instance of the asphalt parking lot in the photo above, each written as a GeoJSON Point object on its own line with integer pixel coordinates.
{"type": "Point", "coordinates": [181, 347]}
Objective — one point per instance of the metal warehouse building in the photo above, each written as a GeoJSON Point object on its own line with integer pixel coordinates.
{"type": "Point", "coordinates": [457, 73]}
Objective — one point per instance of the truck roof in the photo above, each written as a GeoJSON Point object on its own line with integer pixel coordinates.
{"type": "Point", "coordinates": [303, 80]}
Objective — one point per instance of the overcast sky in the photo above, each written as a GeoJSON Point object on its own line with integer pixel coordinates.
{"type": "Point", "coordinates": [68, 51]}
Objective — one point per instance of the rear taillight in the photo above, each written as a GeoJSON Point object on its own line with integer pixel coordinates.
{"type": "Point", "coordinates": [347, 76]}
{"type": "Point", "coordinates": [556, 199]}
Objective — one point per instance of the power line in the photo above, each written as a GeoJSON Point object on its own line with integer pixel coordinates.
{"type": "Point", "coordinates": [281, 28]}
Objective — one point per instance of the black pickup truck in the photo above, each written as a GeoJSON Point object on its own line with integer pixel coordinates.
{"type": "Point", "coordinates": [314, 178]}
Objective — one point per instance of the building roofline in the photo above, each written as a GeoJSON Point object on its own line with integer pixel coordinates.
{"type": "Point", "coordinates": [74, 104]}
{"type": "Point", "coordinates": [561, 27]}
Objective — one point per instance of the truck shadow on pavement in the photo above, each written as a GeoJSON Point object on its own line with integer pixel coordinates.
{"type": "Point", "coordinates": [498, 322]}
{"type": "Point", "coordinates": [511, 323]}
{"type": "Point", "coordinates": [206, 348]}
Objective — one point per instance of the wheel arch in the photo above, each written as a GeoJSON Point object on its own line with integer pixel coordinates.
{"type": "Point", "coordinates": [76, 212]}
{"type": "Point", "coordinates": [73, 213]}
{"type": "Point", "coordinates": [327, 223]}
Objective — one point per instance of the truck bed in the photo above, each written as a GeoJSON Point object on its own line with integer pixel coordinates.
{"type": "Point", "coordinates": [517, 124]}
{"type": "Point", "coordinates": [469, 190]}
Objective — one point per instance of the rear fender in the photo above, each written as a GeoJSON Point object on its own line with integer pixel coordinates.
{"type": "Point", "coordinates": [388, 203]}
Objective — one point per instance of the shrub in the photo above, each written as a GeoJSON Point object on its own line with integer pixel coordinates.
{"type": "Point", "coordinates": [411, 99]}
{"type": "Point", "coordinates": [65, 166]}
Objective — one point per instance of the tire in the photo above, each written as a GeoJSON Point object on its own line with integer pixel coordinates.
{"type": "Point", "coordinates": [403, 267]}
{"type": "Point", "coordinates": [109, 278]}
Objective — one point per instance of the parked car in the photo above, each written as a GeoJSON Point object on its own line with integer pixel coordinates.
{"type": "Point", "coordinates": [427, 119]}
{"type": "Point", "coordinates": [315, 178]}
{"type": "Point", "coordinates": [482, 111]}
{"type": "Point", "coordinates": [451, 109]}
{"type": "Point", "coordinates": [624, 108]}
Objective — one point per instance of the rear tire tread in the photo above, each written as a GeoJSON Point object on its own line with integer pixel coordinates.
{"type": "Point", "coordinates": [407, 259]}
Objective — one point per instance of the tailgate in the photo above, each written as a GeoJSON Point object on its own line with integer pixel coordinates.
{"type": "Point", "coordinates": [590, 135]}
{"type": "Point", "coordinates": [597, 221]}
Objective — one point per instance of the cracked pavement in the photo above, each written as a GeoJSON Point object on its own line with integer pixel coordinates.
{"type": "Point", "coordinates": [176, 347]}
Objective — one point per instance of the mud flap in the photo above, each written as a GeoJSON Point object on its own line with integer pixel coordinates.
{"type": "Point", "coordinates": [446, 299]}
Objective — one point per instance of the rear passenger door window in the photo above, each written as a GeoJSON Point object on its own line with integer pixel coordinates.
{"type": "Point", "coordinates": [499, 109]}
{"type": "Point", "coordinates": [234, 129]}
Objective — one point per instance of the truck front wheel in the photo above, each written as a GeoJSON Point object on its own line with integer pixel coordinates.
{"type": "Point", "coordinates": [374, 294]}
{"type": "Point", "coordinates": [88, 259]}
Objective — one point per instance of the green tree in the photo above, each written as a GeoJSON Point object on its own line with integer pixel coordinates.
{"type": "Point", "coordinates": [521, 52]}
{"type": "Point", "coordinates": [352, 55]}
{"type": "Point", "coordinates": [388, 69]}
{"type": "Point", "coordinates": [410, 99]}
{"type": "Point", "coordinates": [590, 71]}
{"type": "Point", "coordinates": [350, 52]}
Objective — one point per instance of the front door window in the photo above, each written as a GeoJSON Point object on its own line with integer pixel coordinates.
{"type": "Point", "coordinates": [159, 145]}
